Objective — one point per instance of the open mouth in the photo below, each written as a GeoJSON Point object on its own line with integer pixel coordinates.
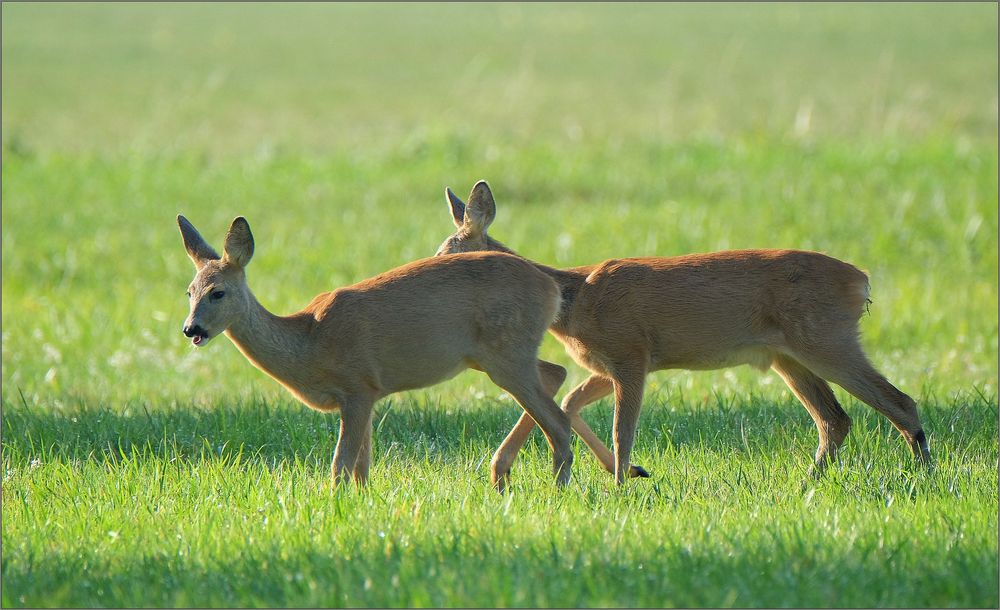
{"type": "Point", "coordinates": [197, 334]}
{"type": "Point", "coordinates": [199, 339]}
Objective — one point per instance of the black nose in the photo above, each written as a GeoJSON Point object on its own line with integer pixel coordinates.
{"type": "Point", "coordinates": [191, 331]}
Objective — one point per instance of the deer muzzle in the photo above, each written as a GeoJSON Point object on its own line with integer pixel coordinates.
{"type": "Point", "coordinates": [197, 334]}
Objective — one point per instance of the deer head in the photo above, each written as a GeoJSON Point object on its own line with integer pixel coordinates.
{"type": "Point", "coordinates": [472, 220]}
{"type": "Point", "coordinates": [219, 295]}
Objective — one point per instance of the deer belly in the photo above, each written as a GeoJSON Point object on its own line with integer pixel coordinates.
{"type": "Point", "coordinates": [584, 355]}
{"type": "Point", "coordinates": [411, 374]}
{"type": "Point", "coordinates": [756, 356]}
{"type": "Point", "coordinates": [320, 401]}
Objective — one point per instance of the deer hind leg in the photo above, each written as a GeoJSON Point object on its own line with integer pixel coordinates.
{"type": "Point", "coordinates": [524, 384]}
{"type": "Point", "coordinates": [850, 369]}
{"type": "Point", "coordinates": [594, 388]}
{"type": "Point", "coordinates": [353, 453]}
{"type": "Point", "coordinates": [552, 377]}
{"type": "Point", "coordinates": [628, 386]}
{"type": "Point", "coordinates": [815, 394]}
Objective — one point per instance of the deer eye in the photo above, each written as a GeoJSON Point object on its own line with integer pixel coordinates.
{"type": "Point", "coordinates": [218, 294]}
{"type": "Point", "coordinates": [188, 293]}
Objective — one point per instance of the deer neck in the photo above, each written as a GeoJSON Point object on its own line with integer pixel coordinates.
{"type": "Point", "coordinates": [277, 345]}
{"type": "Point", "coordinates": [569, 282]}
{"type": "Point", "coordinates": [569, 285]}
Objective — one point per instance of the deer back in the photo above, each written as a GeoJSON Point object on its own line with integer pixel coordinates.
{"type": "Point", "coordinates": [706, 311]}
{"type": "Point", "coordinates": [426, 321]}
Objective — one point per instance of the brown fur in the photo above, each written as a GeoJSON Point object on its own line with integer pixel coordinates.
{"type": "Point", "coordinates": [791, 310]}
{"type": "Point", "coordinates": [409, 327]}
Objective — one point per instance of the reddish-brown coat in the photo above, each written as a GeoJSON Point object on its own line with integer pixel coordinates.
{"type": "Point", "coordinates": [791, 310]}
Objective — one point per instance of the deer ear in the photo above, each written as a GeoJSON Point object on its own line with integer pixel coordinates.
{"type": "Point", "coordinates": [456, 206]}
{"type": "Point", "coordinates": [239, 243]}
{"type": "Point", "coordinates": [199, 250]}
{"type": "Point", "coordinates": [481, 210]}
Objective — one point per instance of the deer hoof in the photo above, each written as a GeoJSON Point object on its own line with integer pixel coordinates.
{"type": "Point", "coordinates": [501, 481]}
{"type": "Point", "coordinates": [637, 472]}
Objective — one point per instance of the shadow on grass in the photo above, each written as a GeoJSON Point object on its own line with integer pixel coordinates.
{"type": "Point", "coordinates": [286, 430]}
{"type": "Point", "coordinates": [416, 426]}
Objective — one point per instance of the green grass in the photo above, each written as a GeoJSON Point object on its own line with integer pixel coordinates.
{"type": "Point", "coordinates": [138, 471]}
{"type": "Point", "coordinates": [193, 506]}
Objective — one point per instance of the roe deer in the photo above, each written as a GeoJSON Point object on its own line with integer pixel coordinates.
{"type": "Point", "coordinates": [794, 311]}
{"type": "Point", "coordinates": [407, 328]}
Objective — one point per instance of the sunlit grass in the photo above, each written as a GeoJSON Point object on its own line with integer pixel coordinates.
{"type": "Point", "coordinates": [202, 506]}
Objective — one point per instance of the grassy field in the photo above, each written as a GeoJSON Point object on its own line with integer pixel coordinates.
{"type": "Point", "coordinates": [138, 471]}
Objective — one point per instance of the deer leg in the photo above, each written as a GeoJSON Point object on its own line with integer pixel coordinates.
{"type": "Point", "coordinates": [504, 457]}
{"type": "Point", "coordinates": [594, 388]}
{"type": "Point", "coordinates": [591, 389]}
{"type": "Point", "coordinates": [815, 394]}
{"type": "Point", "coordinates": [363, 462]}
{"type": "Point", "coordinates": [552, 376]}
{"type": "Point", "coordinates": [628, 387]}
{"type": "Point", "coordinates": [851, 370]}
{"type": "Point", "coordinates": [354, 443]}
{"type": "Point", "coordinates": [524, 384]}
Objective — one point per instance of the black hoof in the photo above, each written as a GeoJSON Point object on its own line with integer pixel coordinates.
{"type": "Point", "coordinates": [638, 472]}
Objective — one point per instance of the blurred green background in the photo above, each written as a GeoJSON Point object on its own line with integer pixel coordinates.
{"type": "Point", "coordinates": [244, 79]}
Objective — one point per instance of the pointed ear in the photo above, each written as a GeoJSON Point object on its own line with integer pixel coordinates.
{"type": "Point", "coordinates": [239, 243]}
{"type": "Point", "coordinates": [481, 209]}
{"type": "Point", "coordinates": [457, 207]}
{"type": "Point", "coordinates": [199, 250]}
